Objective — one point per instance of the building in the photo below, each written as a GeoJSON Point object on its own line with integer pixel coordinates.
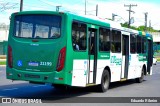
{"type": "Point", "coordinates": [4, 29]}
{"type": "Point", "coordinates": [156, 44]}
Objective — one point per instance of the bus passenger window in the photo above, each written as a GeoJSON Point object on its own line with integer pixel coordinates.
{"type": "Point", "coordinates": [104, 39]}
{"type": "Point", "coordinates": [143, 45]}
{"type": "Point", "coordinates": [79, 36]}
{"type": "Point", "coordinates": [133, 43]}
{"type": "Point", "coordinates": [139, 46]}
{"type": "Point", "coordinates": [75, 43]}
{"type": "Point", "coordinates": [116, 41]}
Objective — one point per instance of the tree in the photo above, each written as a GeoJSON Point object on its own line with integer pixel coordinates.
{"type": "Point", "coordinates": [140, 28]}
{"type": "Point", "coordinates": [124, 25]}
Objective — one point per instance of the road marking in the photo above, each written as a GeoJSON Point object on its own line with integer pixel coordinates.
{"type": "Point", "coordinates": [9, 89]}
{"type": "Point", "coordinates": [39, 86]}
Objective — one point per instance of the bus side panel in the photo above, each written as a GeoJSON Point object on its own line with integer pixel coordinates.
{"type": "Point", "coordinates": [139, 66]}
{"type": "Point", "coordinates": [76, 60]}
{"type": "Point", "coordinates": [115, 65]}
{"type": "Point", "coordinates": [101, 64]}
{"type": "Point", "coordinates": [79, 73]}
{"type": "Point", "coordinates": [132, 64]}
{"type": "Point", "coordinates": [80, 69]}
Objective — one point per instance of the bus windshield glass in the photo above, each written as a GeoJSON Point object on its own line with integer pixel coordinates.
{"type": "Point", "coordinates": [37, 26]}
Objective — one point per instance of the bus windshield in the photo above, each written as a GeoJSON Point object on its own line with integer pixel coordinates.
{"type": "Point", "coordinates": [37, 26]}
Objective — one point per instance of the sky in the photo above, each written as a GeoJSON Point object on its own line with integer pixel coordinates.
{"type": "Point", "coordinates": [105, 9]}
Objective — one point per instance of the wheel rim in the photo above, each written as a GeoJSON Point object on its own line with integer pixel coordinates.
{"type": "Point", "coordinates": [105, 82]}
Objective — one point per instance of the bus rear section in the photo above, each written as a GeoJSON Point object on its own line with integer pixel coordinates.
{"type": "Point", "coordinates": [36, 48]}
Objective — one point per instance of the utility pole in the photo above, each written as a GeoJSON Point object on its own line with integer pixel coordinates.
{"type": "Point", "coordinates": [21, 5]}
{"type": "Point", "coordinates": [150, 25]}
{"type": "Point", "coordinates": [57, 8]}
{"type": "Point", "coordinates": [85, 7]}
{"type": "Point", "coordinates": [113, 16]}
{"type": "Point", "coordinates": [97, 10]}
{"type": "Point", "coordinates": [130, 6]}
{"type": "Point", "coordinates": [146, 14]}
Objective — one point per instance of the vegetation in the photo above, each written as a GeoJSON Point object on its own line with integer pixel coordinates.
{"type": "Point", "coordinates": [2, 62]}
{"type": "Point", "coordinates": [140, 28]}
{"type": "Point", "coordinates": [2, 59]}
{"type": "Point", "coordinates": [158, 59]}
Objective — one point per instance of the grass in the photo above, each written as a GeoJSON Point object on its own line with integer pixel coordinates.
{"type": "Point", "coordinates": [2, 59]}
{"type": "Point", "coordinates": [158, 59]}
{"type": "Point", "coordinates": [2, 62]}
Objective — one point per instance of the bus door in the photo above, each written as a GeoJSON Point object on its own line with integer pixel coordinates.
{"type": "Point", "coordinates": [149, 56]}
{"type": "Point", "coordinates": [125, 56]}
{"type": "Point", "coordinates": [92, 55]}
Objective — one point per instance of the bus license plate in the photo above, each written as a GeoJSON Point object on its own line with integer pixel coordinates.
{"type": "Point", "coordinates": [33, 64]}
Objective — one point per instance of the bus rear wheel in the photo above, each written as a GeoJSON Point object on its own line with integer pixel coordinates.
{"type": "Point", "coordinates": [140, 79]}
{"type": "Point", "coordinates": [105, 81]}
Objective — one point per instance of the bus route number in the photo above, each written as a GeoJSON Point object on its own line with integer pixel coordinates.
{"type": "Point", "coordinates": [45, 63]}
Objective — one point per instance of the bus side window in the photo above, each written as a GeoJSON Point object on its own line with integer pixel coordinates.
{"type": "Point", "coordinates": [79, 36]}
{"type": "Point", "coordinates": [139, 44]}
{"type": "Point", "coordinates": [116, 41]}
{"type": "Point", "coordinates": [143, 45]}
{"type": "Point", "coordinates": [104, 39]}
{"type": "Point", "coordinates": [75, 42]}
{"type": "Point", "coordinates": [133, 43]}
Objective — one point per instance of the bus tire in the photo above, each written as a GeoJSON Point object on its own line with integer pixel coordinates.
{"type": "Point", "coordinates": [140, 79]}
{"type": "Point", "coordinates": [105, 81]}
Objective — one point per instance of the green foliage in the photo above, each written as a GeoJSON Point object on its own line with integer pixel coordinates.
{"type": "Point", "coordinates": [2, 62]}
{"type": "Point", "coordinates": [124, 25]}
{"type": "Point", "coordinates": [150, 29]}
{"type": "Point", "coordinates": [140, 28]}
{"type": "Point", "coordinates": [158, 59]}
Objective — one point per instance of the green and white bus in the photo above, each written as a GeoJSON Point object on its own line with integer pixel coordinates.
{"type": "Point", "coordinates": [72, 50]}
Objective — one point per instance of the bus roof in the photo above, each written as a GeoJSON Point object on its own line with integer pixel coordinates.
{"type": "Point", "coordinates": [129, 30]}
{"type": "Point", "coordinates": [112, 24]}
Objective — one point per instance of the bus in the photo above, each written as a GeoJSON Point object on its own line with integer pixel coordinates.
{"type": "Point", "coordinates": [67, 49]}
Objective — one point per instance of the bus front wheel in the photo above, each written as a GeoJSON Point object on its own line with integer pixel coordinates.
{"type": "Point", "coordinates": [105, 81]}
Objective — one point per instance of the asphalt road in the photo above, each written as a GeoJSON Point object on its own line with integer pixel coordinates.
{"type": "Point", "coordinates": [150, 87]}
